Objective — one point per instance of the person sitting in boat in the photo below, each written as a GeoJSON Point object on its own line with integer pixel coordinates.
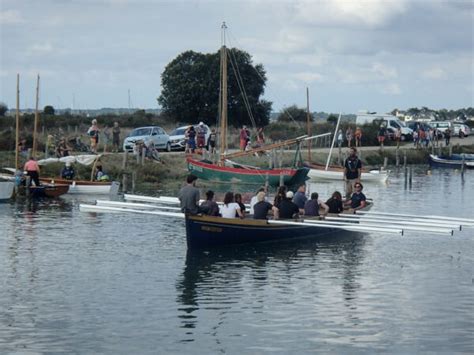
{"type": "Point", "coordinates": [254, 199]}
{"type": "Point", "coordinates": [68, 172]}
{"type": "Point", "coordinates": [358, 199]}
{"type": "Point", "coordinates": [189, 196]}
{"type": "Point", "coordinates": [280, 196]}
{"type": "Point", "coordinates": [230, 209]}
{"type": "Point", "coordinates": [312, 206]}
{"type": "Point", "coordinates": [210, 205]}
{"type": "Point", "coordinates": [287, 209]}
{"type": "Point", "coordinates": [100, 175]}
{"type": "Point", "coordinates": [32, 170]}
{"type": "Point", "coordinates": [335, 203]}
{"type": "Point", "coordinates": [300, 198]}
{"type": "Point", "coordinates": [262, 207]}
{"type": "Point", "coordinates": [352, 171]}
{"type": "Point", "coordinates": [238, 200]}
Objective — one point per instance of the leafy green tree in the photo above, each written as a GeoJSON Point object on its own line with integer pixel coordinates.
{"type": "Point", "coordinates": [3, 109]}
{"type": "Point", "coordinates": [49, 110]}
{"type": "Point", "coordinates": [294, 113]}
{"type": "Point", "coordinates": [332, 119]}
{"type": "Point", "coordinates": [190, 88]}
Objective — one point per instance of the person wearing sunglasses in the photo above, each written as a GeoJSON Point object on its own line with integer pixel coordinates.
{"type": "Point", "coordinates": [358, 199]}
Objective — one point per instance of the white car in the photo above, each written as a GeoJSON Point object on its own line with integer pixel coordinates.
{"type": "Point", "coordinates": [461, 130]}
{"type": "Point", "coordinates": [177, 136]}
{"type": "Point", "coordinates": [154, 134]}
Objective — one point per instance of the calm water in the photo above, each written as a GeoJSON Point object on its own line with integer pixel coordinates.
{"type": "Point", "coordinates": [121, 284]}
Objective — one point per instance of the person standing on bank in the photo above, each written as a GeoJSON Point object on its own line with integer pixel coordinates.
{"type": "Point", "coordinates": [352, 171]}
{"type": "Point", "coordinates": [116, 137]}
{"type": "Point", "coordinates": [189, 196]}
{"type": "Point", "coordinates": [93, 133]}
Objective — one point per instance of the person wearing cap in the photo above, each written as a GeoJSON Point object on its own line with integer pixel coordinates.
{"type": "Point", "coordinates": [287, 209]}
{"type": "Point", "coordinates": [201, 136]}
{"type": "Point", "coordinates": [68, 172]}
{"type": "Point", "coordinates": [189, 196]}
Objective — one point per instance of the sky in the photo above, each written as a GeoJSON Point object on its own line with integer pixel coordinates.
{"type": "Point", "coordinates": [352, 55]}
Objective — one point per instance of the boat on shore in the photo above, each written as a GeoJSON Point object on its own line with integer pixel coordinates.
{"type": "Point", "coordinates": [319, 172]}
{"type": "Point", "coordinates": [453, 161]}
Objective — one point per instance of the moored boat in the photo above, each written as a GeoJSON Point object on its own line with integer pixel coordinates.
{"type": "Point", "coordinates": [6, 190]}
{"type": "Point", "coordinates": [318, 171]}
{"type": "Point", "coordinates": [454, 161]}
{"type": "Point", "coordinates": [82, 186]}
{"type": "Point", "coordinates": [48, 190]}
{"type": "Point", "coordinates": [246, 175]}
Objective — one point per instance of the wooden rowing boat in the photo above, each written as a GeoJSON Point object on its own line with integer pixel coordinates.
{"type": "Point", "coordinates": [334, 172]}
{"type": "Point", "coordinates": [82, 186]}
{"type": "Point", "coordinates": [454, 161]}
{"type": "Point", "coordinates": [48, 190]}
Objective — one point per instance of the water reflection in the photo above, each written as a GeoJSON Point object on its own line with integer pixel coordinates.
{"type": "Point", "coordinates": [219, 278]}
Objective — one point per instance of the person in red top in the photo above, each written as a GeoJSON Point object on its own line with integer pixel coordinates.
{"type": "Point", "coordinates": [32, 170]}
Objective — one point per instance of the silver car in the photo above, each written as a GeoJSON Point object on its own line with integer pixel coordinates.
{"type": "Point", "coordinates": [151, 134]}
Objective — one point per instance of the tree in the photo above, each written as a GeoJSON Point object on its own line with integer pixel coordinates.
{"type": "Point", "coordinates": [3, 109]}
{"type": "Point", "coordinates": [294, 113]}
{"type": "Point", "coordinates": [49, 110]}
{"type": "Point", "coordinates": [190, 88]}
{"type": "Point", "coordinates": [332, 119]}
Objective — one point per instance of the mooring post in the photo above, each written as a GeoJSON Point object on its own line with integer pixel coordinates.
{"type": "Point", "coordinates": [410, 178]}
{"type": "Point", "coordinates": [397, 157]}
{"type": "Point", "coordinates": [266, 182]}
{"type": "Point", "coordinates": [463, 164]}
{"type": "Point", "coordinates": [134, 178]}
{"type": "Point", "coordinates": [281, 178]}
{"type": "Point", "coordinates": [143, 155]}
{"type": "Point", "coordinates": [405, 159]}
{"type": "Point", "coordinates": [450, 150]}
{"type": "Point", "coordinates": [385, 162]}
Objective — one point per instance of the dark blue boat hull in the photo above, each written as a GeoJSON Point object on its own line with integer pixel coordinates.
{"type": "Point", "coordinates": [206, 231]}
{"type": "Point", "coordinates": [454, 161]}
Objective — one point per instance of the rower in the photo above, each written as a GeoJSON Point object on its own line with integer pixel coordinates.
{"type": "Point", "coordinates": [358, 199]}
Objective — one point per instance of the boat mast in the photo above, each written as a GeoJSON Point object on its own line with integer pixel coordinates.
{"type": "Point", "coordinates": [35, 128]}
{"type": "Point", "coordinates": [333, 140]}
{"type": "Point", "coordinates": [17, 132]}
{"type": "Point", "coordinates": [308, 124]}
{"type": "Point", "coordinates": [223, 96]}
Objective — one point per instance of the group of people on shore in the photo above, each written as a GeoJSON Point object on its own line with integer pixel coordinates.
{"type": "Point", "coordinates": [93, 132]}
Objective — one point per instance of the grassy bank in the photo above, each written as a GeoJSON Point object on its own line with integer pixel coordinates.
{"type": "Point", "coordinates": [169, 174]}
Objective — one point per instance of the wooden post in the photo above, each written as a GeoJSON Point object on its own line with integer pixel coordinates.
{"type": "Point", "coordinates": [281, 179]}
{"type": "Point", "coordinates": [124, 161]}
{"type": "Point", "coordinates": [124, 182]}
{"type": "Point", "coordinates": [266, 182]}
{"type": "Point", "coordinates": [134, 178]}
{"type": "Point", "coordinates": [308, 124]}
{"type": "Point", "coordinates": [17, 132]}
{"type": "Point", "coordinates": [410, 177]}
{"type": "Point", "coordinates": [385, 162]}
{"type": "Point", "coordinates": [463, 164]}
{"type": "Point", "coordinates": [405, 158]}
{"type": "Point", "coordinates": [143, 154]}
{"type": "Point", "coordinates": [450, 149]}
{"type": "Point", "coordinates": [35, 127]}
{"type": "Point", "coordinates": [397, 157]}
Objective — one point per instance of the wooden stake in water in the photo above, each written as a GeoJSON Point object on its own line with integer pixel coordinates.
{"type": "Point", "coordinates": [17, 132]}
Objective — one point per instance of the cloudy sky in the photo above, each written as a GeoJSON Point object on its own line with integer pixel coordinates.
{"type": "Point", "coordinates": [351, 54]}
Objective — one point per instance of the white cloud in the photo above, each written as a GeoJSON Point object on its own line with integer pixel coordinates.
{"type": "Point", "coordinates": [368, 13]}
{"type": "Point", "coordinates": [40, 48]}
{"type": "Point", "coordinates": [308, 77]}
{"type": "Point", "coordinates": [10, 17]}
{"type": "Point", "coordinates": [383, 71]}
{"type": "Point", "coordinates": [434, 73]}
{"type": "Point", "coordinates": [391, 89]}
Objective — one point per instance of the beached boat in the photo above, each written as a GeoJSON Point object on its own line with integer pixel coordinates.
{"type": "Point", "coordinates": [318, 171]}
{"type": "Point", "coordinates": [453, 161]}
{"type": "Point", "coordinates": [6, 190]}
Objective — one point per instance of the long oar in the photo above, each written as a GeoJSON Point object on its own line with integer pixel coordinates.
{"type": "Point", "coordinates": [394, 220]}
{"type": "Point", "coordinates": [95, 208]}
{"type": "Point", "coordinates": [348, 227]}
{"type": "Point", "coordinates": [457, 219]}
{"type": "Point", "coordinates": [134, 205]}
{"type": "Point", "coordinates": [390, 224]}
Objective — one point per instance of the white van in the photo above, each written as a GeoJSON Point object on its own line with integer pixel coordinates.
{"type": "Point", "coordinates": [391, 122]}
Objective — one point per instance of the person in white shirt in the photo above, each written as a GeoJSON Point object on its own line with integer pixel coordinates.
{"type": "Point", "coordinates": [230, 209]}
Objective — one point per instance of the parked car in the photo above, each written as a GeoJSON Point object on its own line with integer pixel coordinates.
{"type": "Point", "coordinates": [461, 130]}
{"type": "Point", "coordinates": [441, 126]}
{"type": "Point", "coordinates": [177, 136]}
{"type": "Point", "coordinates": [425, 126]}
{"type": "Point", "coordinates": [154, 134]}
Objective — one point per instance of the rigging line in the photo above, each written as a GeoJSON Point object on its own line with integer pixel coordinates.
{"type": "Point", "coordinates": [230, 34]}
{"type": "Point", "coordinates": [235, 68]}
